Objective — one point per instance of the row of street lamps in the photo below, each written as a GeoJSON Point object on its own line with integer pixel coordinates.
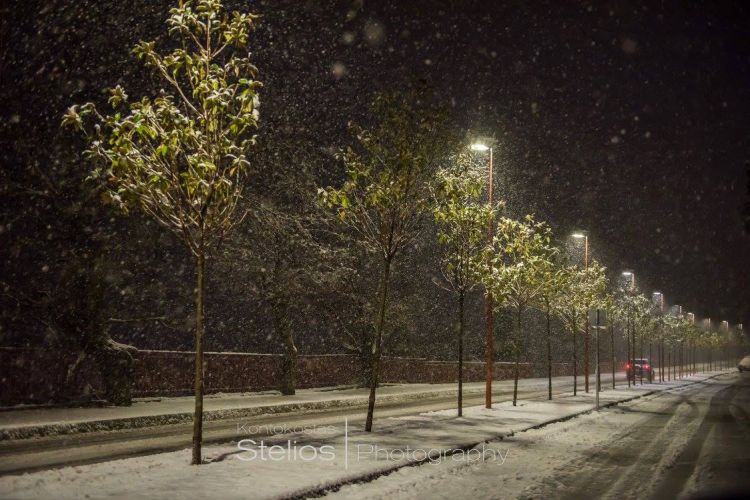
{"type": "Point", "coordinates": [489, 315]}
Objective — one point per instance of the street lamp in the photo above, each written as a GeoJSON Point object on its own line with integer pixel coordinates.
{"type": "Point", "coordinates": [580, 235]}
{"type": "Point", "coordinates": [631, 337]}
{"type": "Point", "coordinates": [489, 316]}
{"type": "Point", "coordinates": [659, 299]}
{"type": "Point", "coordinates": [631, 276]}
{"type": "Point", "coordinates": [583, 236]}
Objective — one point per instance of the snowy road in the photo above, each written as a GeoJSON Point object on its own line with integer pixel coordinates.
{"type": "Point", "coordinates": [658, 441]}
{"type": "Point", "coordinates": [682, 443]}
{"type": "Point", "coordinates": [40, 453]}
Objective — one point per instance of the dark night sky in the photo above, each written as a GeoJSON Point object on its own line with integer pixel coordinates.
{"type": "Point", "coordinates": [628, 119]}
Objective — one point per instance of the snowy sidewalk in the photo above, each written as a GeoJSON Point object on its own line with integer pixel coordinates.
{"type": "Point", "coordinates": [35, 422]}
{"type": "Point", "coordinates": [316, 460]}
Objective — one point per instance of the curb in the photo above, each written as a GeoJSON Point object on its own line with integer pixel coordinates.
{"type": "Point", "coordinates": [58, 429]}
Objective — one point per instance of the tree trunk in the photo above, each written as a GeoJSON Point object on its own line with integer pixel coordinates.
{"type": "Point", "coordinates": [586, 363]}
{"type": "Point", "coordinates": [549, 357]}
{"type": "Point", "coordinates": [629, 361]}
{"type": "Point", "coordinates": [695, 369]}
{"type": "Point", "coordinates": [658, 357]}
{"type": "Point", "coordinates": [671, 364]}
{"type": "Point", "coordinates": [115, 362]}
{"type": "Point", "coordinates": [632, 346]}
{"type": "Point", "coordinates": [518, 354]}
{"type": "Point", "coordinates": [199, 331]}
{"type": "Point", "coordinates": [663, 359]}
{"type": "Point", "coordinates": [489, 349]}
{"type": "Point", "coordinates": [612, 352]}
{"type": "Point", "coordinates": [460, 352]}
{"type": "Point", "coordinates": [375, 372]}
{"type": "Point", "coordinates": [575, 360]}
{"type": "Point", "coordinates": [70, 390]}
{"type": "Point", "coordinates": [289, 366]}
{"type": "Point", "coordinates": [598, 368]}
{"type": "Point", "coordinates": [650, 361]}
{"type": "Point", "coordinates": [641, 357]}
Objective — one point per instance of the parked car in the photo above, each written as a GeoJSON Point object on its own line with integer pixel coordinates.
{"type": "Point", "coordinates": [744, 364]}
{"type": "Point", "coordinates": [640, 366]}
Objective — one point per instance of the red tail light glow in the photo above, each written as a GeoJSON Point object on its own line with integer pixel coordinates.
{"type": "Point", "coordinates": [627, 366]}
{"type": "Point", "coordinates": [645, 367]}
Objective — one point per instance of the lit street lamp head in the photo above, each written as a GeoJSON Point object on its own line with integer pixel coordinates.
{"type": "Point", "coordinates": [478, 146]}
{"type": "Point", "coordinates": [627, 273]}
{"type": "Point", "coordinates": [578, 235]}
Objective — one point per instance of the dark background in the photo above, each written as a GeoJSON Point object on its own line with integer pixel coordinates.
{"type": "Point", "coordinates": [628, 119]}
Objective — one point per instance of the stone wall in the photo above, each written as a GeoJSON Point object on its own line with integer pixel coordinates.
{"type": "Point", "coordinates": [36, 376]}
{"type": "Point", "coordinates": [566, 369]}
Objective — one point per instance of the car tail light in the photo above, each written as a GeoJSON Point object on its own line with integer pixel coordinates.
{"type": "Point", "coordinates": [645, 367]}
{"type": "Point", "coordinates": [627, 366]}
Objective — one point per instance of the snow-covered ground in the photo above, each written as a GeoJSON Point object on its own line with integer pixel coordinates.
{"type": "Point", "coordinates": [627, 451]}
{"type": "Point", "coordinates": [485, 451]}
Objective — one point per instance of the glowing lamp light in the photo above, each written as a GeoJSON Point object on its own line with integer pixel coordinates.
{"type": "Point", "coordinates": [477, 146]}
{"type": "Point", "coordinates": [578, 235]}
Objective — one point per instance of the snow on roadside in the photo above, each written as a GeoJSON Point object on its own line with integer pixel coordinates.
{"type": "Point", "coordinates": [547, 462]}
{"type": "Point", "coordinates": [313, 458]}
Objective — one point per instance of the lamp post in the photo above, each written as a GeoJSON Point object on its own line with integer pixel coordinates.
{"type": "Point", "coordinates": [583, 236]}
{"type": "Point", "coordinates": [598, 374]}
{"type": "Point", "coordinates": [661, 337]}
{"type": "Point", "coordinates": [658, 299]}
{"type": "Point", "coordinates": [691, 347]}
{"type": "Point", "coordinates": [488, 312]}
{"type": "Point", "coordinates": [630, 275]}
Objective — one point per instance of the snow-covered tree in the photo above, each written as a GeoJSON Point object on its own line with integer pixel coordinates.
{"type": "Point", "coordinates": [386, 197]}
{"type": "Point", "coordinates": [550, 297]}
{"type": "Point", "coordinates": [462, 220]}
{"type": "Point", "coordinates": [518, 261]}
{"type": "Point", "coordinates": [180, 155]}
{"type": "Point", "coordinates": [635, 309]}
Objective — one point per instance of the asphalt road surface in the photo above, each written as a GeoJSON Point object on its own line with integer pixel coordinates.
{"type": "Point", "coordinates": [692, 442]}
{"type": "Point", "coordinates": [696, 441]}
